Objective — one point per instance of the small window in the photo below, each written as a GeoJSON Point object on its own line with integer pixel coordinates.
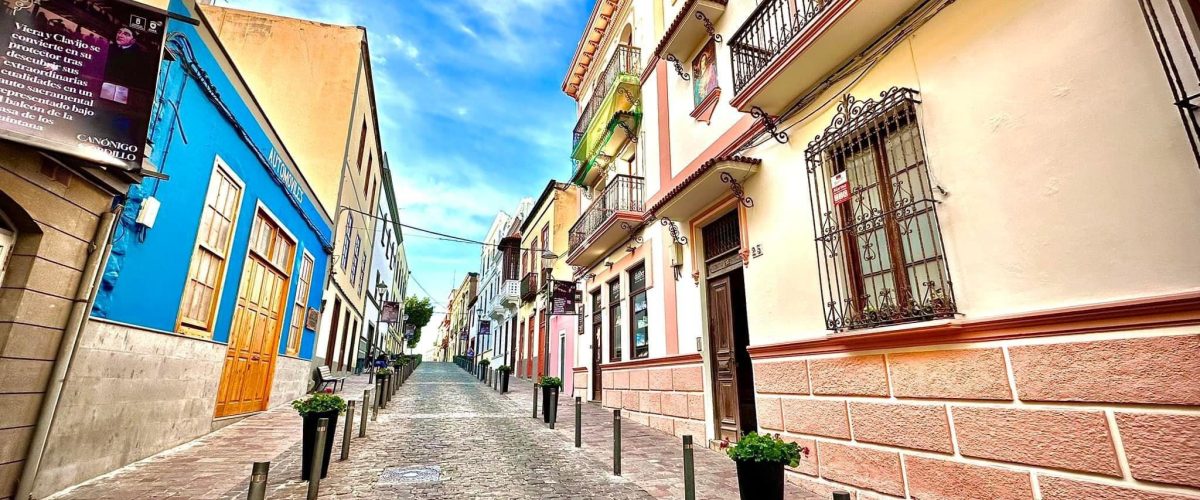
{"type": "Point", "coordinates": [346, 241]}
{"type": "Point", "coordinates": [614, 320]}
{"type": "Point", "coordinates": [301, 306]}
{"type": "Point", "coordinates": [207, 271]}
{"type": "Point", "coordinates": [882, 260]}
{"type": "Point", "coordinates": [639, 326]}
{"type": "Point", "coordinates": [354, 266]}
{"type": "Point", "coordinates": [362, 145]}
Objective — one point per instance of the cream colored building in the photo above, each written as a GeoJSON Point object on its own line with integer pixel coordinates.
{"type": "Point", "coordinates": [949, 239]}
{"type": "Point", "coordinates": [314, 80]}
{"type": "Point", "coordinates": [542, 339]}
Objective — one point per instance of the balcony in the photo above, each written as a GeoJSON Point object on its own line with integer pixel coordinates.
{"type": "Point", "coordinates": [510, 293]}
{"type": "Point", "coordinates": [788, 46]}
{"type": "Point", "coordinates": [599, 228]}
{"type": "Point", "coordinates": [612, 115]}
{"type": "Point", "coordinates": [529, 286]}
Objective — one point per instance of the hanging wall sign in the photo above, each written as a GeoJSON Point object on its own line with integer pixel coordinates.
{"type": "Point", "coordinates": [841, 188]}
{"type": "Point", "coordinates": [390, 312]}
{"type": "Point", "coordinates": [562, 298]}
{"type": "Point", "coordinates": [78, 76]}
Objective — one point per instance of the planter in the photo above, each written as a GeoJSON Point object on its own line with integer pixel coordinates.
{"type": "Point", "coordinates": [549, 402]}
{"type": "Point", "coordinates": [503, 382]}
{"type": "Point", "coordinates": [760, 480]}
{"type": "Point", "coordinates": [310, 442]}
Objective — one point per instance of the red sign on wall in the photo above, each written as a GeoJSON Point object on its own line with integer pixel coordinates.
{"type": "Point", "coordinates": [841, 188]}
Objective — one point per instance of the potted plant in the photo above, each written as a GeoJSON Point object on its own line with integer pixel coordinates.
{"type": "Point", "coordinates": [550, 387]}
{"type": "Point", "coordinates": [505, 371]}
{"type": "Point", "coordinates": [760, 460]}
{"type": "Point", "coordinates": [312, 409]}
{"type": "Point", "coordinates": [483, 365]}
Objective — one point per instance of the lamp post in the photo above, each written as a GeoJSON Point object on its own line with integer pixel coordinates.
{"type": "Point", "coordinates": [551, 256]}
{"type": "Point", "coordinates": [380, 288]}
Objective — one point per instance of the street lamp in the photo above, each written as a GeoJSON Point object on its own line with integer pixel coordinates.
{"type": "Point", "coordinates": [380, 288]}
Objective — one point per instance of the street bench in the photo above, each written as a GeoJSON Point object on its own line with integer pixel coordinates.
{"type": "Point", "coordinates": [323, 376]}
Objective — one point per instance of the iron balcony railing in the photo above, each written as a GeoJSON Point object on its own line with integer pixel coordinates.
{"type": "Point", "coordinates": [770, 28]}
{"type": "Point", "coordinates": [529, 286]}
{"type": "Point", "coordinates": [623, 194]}
{"type": "Point", "coordinates": [625, 61]}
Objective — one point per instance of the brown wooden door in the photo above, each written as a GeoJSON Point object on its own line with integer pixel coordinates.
{"type": "Point", "coordinates": [257, 322]}
{"type": "Point", "coordinates": [720, 334]}
{"type": "Point", "coordinates": [596, 378]}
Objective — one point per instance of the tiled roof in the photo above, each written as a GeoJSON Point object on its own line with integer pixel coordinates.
{"type": "Point", "coordinates": [703, 169]}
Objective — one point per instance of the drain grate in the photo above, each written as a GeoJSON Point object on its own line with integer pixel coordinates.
{"type": "Point", "coordinates": [408, 475]}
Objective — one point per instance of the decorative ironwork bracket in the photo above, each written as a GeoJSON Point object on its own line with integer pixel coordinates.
{"type": "Point", "coordinates": [708, 26]}
{"type": "Point", "coordinates": [772, 124]}
{"type": "Point", "coordinates": [674, 229]}
{"type": "Point", "coordinates": [678, 67]}
{"type": "Point", "coordinates": [736, 188]}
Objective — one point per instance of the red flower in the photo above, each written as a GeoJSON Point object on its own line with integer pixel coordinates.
{"type": "Point", "coordinates": [328, 390]}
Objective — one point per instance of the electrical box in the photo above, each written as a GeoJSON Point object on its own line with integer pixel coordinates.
{"type": "Point", "coordinates": [149, 212]}
{"type": "Point", "coordinates": [676, 255]}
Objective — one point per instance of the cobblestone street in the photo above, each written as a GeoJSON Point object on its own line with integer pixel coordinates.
{"type": "Point", "coordinates": [456, 437]}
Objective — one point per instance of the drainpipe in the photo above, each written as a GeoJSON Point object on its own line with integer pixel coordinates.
{"type": "Point", "coordinates": [85, 297]}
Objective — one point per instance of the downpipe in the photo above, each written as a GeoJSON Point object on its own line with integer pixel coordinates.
{"type": "Point", "coordinates": [85, 297]}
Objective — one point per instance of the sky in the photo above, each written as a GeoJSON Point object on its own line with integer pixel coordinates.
{"type": "Point", "coordinates": [471, 113]}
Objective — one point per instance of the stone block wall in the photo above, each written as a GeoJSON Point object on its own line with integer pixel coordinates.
{"type": "Point", "coordinates": [579, 382]}
{"type": "Point", "coordinates": [292, 379]}
{"type": "Point", "coordinates": [1101, 416]}
{"type": "Point", "coordinates": [131, 393]}
{"type": "Point", "coordinates": [667, 398]}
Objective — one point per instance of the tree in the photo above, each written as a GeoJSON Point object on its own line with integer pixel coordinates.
{"type": "Point", "coordinates": [419, 312]}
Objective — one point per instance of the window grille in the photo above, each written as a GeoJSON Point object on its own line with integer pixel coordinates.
{"type": "Point", "coordinates": [879, 247]}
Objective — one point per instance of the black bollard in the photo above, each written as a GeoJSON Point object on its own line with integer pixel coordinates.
{"type": "Point", "coordinates": [258, 481]}
{"type": "Point", "coordinates": [689, 469]}
{"type": "Point", "coordinates": [578, 422]}
{"type": "Point", "coordinates": [616, 442]}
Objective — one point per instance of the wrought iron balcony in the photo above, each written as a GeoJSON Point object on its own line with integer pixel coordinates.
{"type": "Point", "coordinates": [626, 60]}
{"type": "Point", "coordinates": [770, 28]}
{"type": "Point", "coordinates": [623, 198]}
{"type": "Point", "coordinates": [529, 286]}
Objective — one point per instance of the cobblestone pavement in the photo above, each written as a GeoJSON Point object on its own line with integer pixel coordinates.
{"type": "Point", "coordinates": [444, 435]}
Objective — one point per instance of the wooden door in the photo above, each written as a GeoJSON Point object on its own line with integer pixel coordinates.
{"type": "Point", "coordinates": [257, 322]}
{"type": "Point", "coordinates": [724, 365]}
{"type": "Point", "coordinates": [596, 378]}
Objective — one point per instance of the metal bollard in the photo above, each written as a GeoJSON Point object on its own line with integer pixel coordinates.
{"type": "Point", "coordinates": [578, 421]}
{"type": "Point", "coordinates": [258, 481]}
{"type": "Point", "coordinates": [553, 409]}
{"type": "Point", "coordinates": [535, 391]}
{"type": "Point", "coordinates": [689, 469]}
{"type": "Point", "coordinates": [362, 424]}
{"type": "Point", "coordinates": [616, 442]}
{"type": "Point", "coordinates": [841, 495]}
{"type": "Point", "coordinates": [348, 431]}
{"type": "Point", "coordinates": [317, 462]}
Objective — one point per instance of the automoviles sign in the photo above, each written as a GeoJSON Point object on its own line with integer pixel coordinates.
{"type": "Point", "coordinates": [78, 76]}
{"type": "Point", "coordinates": [285, 176]}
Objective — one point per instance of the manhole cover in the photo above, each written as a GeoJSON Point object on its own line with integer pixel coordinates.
{"type": "Point", "coordinates": [406, 475]}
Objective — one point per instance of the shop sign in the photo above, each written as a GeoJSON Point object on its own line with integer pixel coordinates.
{"type": "Point", "coordinates": [313, 319]}
{"type": "Point", "coordinates": [841, 188]}
{"type": "Point", "coordinates": [390, 312]}
{"type": "Point", "coordinates": [78, 76]}
{"type": "Point", "coordinates": [562, 298]}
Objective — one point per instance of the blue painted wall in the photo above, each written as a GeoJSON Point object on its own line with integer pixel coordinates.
{"type": "Point", "coordinates": [143, 283]}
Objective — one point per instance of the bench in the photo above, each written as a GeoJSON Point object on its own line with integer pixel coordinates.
{"type": "Point", "coordinates": [323, 376]}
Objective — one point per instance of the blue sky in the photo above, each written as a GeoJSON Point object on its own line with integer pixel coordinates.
{"type": "Point", "coordinates": [471, 110]}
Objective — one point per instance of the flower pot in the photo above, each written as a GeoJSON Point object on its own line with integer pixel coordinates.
{"type": "Point", "coordinates": [503, 382]}
{"type": "Point", "coordinates": [549, 402]}
{"type": "Point", "coordinates": [760, 480]}
{"type": "Point", "coordinates": [310, 442]}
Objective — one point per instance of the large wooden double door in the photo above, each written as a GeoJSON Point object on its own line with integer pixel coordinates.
{"type": "Point", "coordinates": [728, 331]}
{"type": "Point", "coordinates": [257, 321]}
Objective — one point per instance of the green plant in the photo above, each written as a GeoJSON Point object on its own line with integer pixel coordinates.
{"type": "Point", "coordinates": [319, 403]}
{"type": "Point", "coordinates": [383, 371]}
{"type": "Point", "coordinates": [755, 447]}
{"type": "Point", "coordinates": [550, 382]}
{"type": "Point", "coordinates": [484, 362]}
{"type": "Point", "coordinates": [504, 369]}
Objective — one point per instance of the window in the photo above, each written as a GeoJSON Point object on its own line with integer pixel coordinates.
{"type": "Point", "coordinates": [362, 145]}
{"type": "Point", "coordinates": [301, 307]}
{"type": "Point", "coordinates": [362, 273]}
{"type": "Point", "coordinates": [614, 320]}
{"type": "Point", "coordinates": [199, 301]}
{"type": "Point", "coordinates": [369, 181]}
{"type": "Point", "coordinates": [639, 326]}
{"type": "Point", "coordinates": [346, 241]}
{"type": "Point", "coordinates": [883, 260]}
{"type": "Point", "coordinates": [354, 266]}
{"type": "Point", "coordinates": [704, 73]}
{"type": "Point", "coordinates": [597, 316]}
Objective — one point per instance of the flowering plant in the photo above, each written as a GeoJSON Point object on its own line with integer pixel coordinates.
{"type": "Point", "coordinates": [383, 371]}
{"type": "Point", "coordinates": [484, 362]}
{"type": "Point", "coordinates": [550, 382]}
{"type": "Point", "coordinates": [504, 369]}
{"type": "Point", "coordinates": [319, 403]}
{"type": "Point", "coordinates": [755, 447]}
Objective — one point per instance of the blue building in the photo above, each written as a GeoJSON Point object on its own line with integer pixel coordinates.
{"type": "Point", "coordinates": [209, 301]}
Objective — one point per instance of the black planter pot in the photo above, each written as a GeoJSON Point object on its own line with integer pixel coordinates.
{"type": "Point", "coordinates": [503, 382]}
{"type": "Point", "coordinates": [310, 442]}
{"type": "Point", "coordinates": [549, 402]}
{"type": "Point", "coordinates": [760, 480]}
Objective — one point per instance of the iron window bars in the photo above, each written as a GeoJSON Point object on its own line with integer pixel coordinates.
{"type": "Point", "coordinates": [880, 254]}
{"type": "Point", "coordinates": [769, 28]}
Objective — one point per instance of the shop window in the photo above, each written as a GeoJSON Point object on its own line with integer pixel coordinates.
{"type": "Point", "coordinates": [206, 273]}
{"type": "Point", "coordinates": [880, 246]}
{"type": "Point", "coordinates": [614, 320]}
{"type": "Point", "coordinates": [639, 324]}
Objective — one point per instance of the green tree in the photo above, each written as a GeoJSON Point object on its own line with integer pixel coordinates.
{"type": "Point", "coordinates": [419, 312]}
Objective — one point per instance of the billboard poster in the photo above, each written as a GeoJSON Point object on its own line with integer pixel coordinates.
{"type": "Point", "coordinates": [562, 298]}
{"type": "Point", "coordinates": [390, 312]}
{"type": "Point", "coordinates": [78, 76]}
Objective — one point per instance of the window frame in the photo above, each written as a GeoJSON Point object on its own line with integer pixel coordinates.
{"type": "Point", "coordinates": [182, 324]}
{"type": "Point", "coordinates": [615, 347]}
{"type": "Point", "coordinates": [633, 312]}
{"type": "Point", "coordinates": [303, 284]}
